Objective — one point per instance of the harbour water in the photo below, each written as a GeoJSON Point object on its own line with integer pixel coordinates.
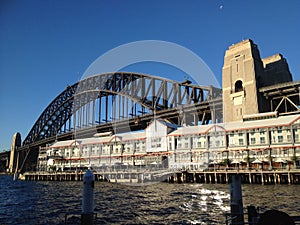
{"type": "Point", "coordinates": [32, 202]}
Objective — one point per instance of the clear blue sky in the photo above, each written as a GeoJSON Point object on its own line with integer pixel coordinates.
{"type": "Point", "coordinates": [46, 45]}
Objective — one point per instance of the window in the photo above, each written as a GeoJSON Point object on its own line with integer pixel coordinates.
{"type": "Point", "coordinates": [262, 140]}
{"type": "Point", "coordinates": [252, 140]}
{"type": "Point", "coordinates": [241, 142]}
{"type": "Point", "coordinates": [231, 139]}
{"type": "Point", "coordinates": [186, 145]}
{"type": "Point", "coordinates": [288, 135]}
{"type": "Point", "coordinates": [280, 138]}
{"type": "Point", "coordinates": [238, 86]}
{"type": "Point", "coordinates": [199, 144]}
{"type": "Point", "coordinates": [156, 142]}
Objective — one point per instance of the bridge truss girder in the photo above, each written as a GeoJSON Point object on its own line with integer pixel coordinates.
{"type": "Point", "coordinates": [119, 96]}
{"type": "Point", "coordinates": [283, 98]}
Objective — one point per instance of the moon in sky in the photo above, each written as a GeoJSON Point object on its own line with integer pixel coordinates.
{"type": "Point", "coordinates": [221, 7]}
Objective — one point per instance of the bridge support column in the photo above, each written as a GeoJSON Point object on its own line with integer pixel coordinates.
{"type": "Point", "coordinates": [13, 163]}
{"type": "Point", "coordinates": [195, 119]}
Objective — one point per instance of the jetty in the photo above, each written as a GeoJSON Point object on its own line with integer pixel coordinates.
{"type": "Point", "coordinates": [183, 176]}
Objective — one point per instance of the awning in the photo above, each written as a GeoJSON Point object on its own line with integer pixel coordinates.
{"type": "Point", "coordinates": [280, 160]}
{"type": "Point", "coordinates": [257, 161]}
{"type": "Point", "coordinates": [235, 161]}
{"type": "Point", "coordinates": [214, 162]}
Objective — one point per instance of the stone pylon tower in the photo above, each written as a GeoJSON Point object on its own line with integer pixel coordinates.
{"type": "Point", "coordinates": [242, 71]}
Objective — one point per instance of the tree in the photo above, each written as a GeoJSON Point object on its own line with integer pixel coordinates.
{"type": "Point", "coordinates": [294, 159]}
{"type": "Point", "coordinates": [248, 160]}
{"type": "Point", "coordinates": [225, 162]}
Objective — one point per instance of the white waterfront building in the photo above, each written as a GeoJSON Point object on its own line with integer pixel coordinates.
{"type": "Point", "coordinates": [265, 141]}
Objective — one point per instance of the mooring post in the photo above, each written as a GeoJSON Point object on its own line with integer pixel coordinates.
{"type": "Point", "coordinates": [236, 200]}
{"type": "Point", "coordinates": [87, 215]}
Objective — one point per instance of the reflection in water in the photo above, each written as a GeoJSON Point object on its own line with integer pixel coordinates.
{"type": "Point", "coordinates": [24, 202]}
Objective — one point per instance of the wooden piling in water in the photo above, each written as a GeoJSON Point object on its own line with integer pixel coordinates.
{"type": "Point", "coordinates": [250, 177]}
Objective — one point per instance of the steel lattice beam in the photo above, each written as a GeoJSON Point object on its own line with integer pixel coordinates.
{"type": "Point", "coordinates": [152, 93]}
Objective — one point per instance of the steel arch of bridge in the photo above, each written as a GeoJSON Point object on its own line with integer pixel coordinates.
{"type": "Point", "coordinates": [143, 94]}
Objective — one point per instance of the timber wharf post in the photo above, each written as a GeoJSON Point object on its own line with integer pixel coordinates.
{"type": "Point", "coordinates": [247, 176]}
{"type": "Point", "coordinates": [188, 176]}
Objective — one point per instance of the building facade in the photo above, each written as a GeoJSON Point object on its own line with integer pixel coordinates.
{"type": "Point", "coordinates": [264, 142]}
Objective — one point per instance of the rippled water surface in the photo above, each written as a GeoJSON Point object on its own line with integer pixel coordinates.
{"type": "Point", "coordinates": [29, 202]}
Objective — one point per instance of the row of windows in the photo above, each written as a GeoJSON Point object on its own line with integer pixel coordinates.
{"type": "Point", "coordinates": [186, 145]}
{"type": "Point", "coordinates": [156, 142]}
{"type": "Point", "coordinates": [97, 146]}
{"type": "Point", "coordinates": [237, 139]}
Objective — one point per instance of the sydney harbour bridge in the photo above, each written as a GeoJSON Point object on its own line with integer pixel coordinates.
{"type": "Point", "coordinates": [123, 102]}
{"type": "Point", "coordinates": [116, 102]}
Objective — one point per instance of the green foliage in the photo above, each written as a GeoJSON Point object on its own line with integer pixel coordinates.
{"type": "Point", "coordinates": [52, 168]}
{"type": "Point", "coordinates": [294, 158]}
{"type": "Point", "coordinates": [225, 162]}
{"type": "Point", "coordinates": [247, 159]}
